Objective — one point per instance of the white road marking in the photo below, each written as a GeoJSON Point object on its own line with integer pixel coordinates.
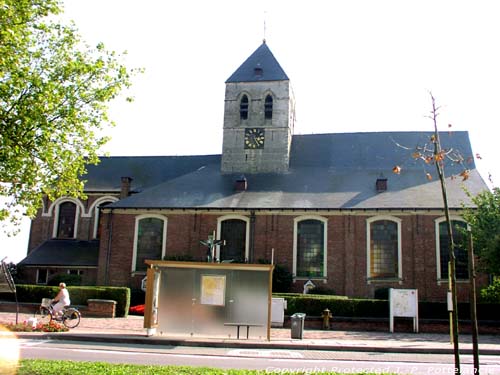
{"type": "Point", "coordinates": [264, 353]}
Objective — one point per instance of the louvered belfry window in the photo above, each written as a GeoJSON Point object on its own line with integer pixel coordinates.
{"type": "Point", "coordinates": [244, 107]}
{"type": "Point", "coordinates": [268, 107]}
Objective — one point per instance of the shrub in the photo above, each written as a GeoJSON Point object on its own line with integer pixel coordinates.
{"type": "Point", "coordinates": [322, 290]}
{"type": "Point", "coordinates": [313, 305]}
{"type": "Point", "coordinates": [282, 278]}
{"type": "Point", "coordinates": [491, 294]}
{"type": "Point", "coordinates": [78, 294]}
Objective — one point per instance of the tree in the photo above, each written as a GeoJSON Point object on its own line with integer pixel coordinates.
{"type": "Point", "coordinates": [54, 92]}
{"type": "Point", "coordinates": [434, 154]}
{"type": "Point", "coordinates": [484, 221]}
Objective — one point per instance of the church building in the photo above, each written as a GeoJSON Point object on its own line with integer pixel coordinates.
{"type": "Point", "coordinates": [326, 207]}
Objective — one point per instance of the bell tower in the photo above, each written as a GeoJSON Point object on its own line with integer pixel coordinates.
{"type": "Point", "coordinates": [259, 115]}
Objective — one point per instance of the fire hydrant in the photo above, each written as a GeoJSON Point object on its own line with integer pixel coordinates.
{"type": "Point", "coordinates": [327, 315]}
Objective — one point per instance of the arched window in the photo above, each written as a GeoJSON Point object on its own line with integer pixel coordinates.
{"type": "Point", "coordinates": [443, 246]}
{"type": "Point", "coordinates": [66, 220]}
{"type": "Point", "coordinates": [97, 213]}
{"type": "Point", "coordinates": [244, 107]}
{"type": "Point", "coordinates": [384, 248]}
{"type": "Point", "coordinates": [234, 231]}
{"type": "Point", "coordinates": [268, 107]}
{"type": "Point", "coordinates": [310, 248]}
{"type": "Point", "coordinates": [150, 239]}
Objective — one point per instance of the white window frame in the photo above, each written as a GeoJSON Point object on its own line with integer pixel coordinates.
{"type": "Point", "coordinates": [398, 222]}
{"type": "Point", "coordinates": [79, 209]}
{"type": "Point", "coordinates": [136, 235]}
{"type": "Point", "coordinates": [78, 272]}
{"type": "Point", "coordinates": [438, 221]}
{"type": "Point", "coordinates": [246, 219]}
{"type": "Point", "coordinates": [46, 276]}
{"type": "Point", "coordinates": [325, 246]}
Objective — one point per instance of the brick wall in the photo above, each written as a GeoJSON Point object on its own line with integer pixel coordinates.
{"type": "Point", "coordinates": [346, 257]}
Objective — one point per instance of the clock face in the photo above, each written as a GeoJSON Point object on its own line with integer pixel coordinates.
{"type": "Point", "coordinates": [254, 138]}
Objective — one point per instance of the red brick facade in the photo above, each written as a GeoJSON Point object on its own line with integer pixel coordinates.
{"type": "Point", "coordinates": [346, 249]}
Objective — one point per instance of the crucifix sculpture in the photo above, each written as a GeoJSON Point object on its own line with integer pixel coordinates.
{"type": "Point", "coordinates": [211, 243]}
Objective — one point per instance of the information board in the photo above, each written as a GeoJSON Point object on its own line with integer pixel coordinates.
{"type": "Point", "coordinates": [403, 303]}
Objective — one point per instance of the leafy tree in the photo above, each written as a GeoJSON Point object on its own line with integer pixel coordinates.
{"type": "Point", "coordinates": [485, 226]}
{"type": "Point", "coordinates": [54, 92]}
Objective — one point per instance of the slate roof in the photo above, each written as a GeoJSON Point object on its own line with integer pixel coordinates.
{"type": "Point", "coordinates": [263, 59]}
{"type": "Point", "coordinates": [57, 252]}
{"type": "Point", "coordinates": [327, 171]}
{"type": "Point", "coordinates": [146, 171]}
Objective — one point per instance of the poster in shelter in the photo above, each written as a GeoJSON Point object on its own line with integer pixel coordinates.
{"type": "Point", "coordinates": [213, 289]}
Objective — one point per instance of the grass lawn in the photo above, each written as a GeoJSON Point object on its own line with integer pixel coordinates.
{"type": "Point", "coordinates": [46, 367]}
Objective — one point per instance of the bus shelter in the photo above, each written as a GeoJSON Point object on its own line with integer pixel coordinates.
{"type": "Point", "coordinates": [194, 299]}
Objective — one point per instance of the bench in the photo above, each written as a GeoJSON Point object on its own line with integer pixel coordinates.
{"type": "Point", "coordinates": [238, 325]}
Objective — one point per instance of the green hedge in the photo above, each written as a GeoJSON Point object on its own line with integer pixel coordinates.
{"type": "Point", "coordinates": [313, 305]}
{"type": "Point", "coordinates": [78, 294]}
{"type": "Point", "coordinates": [340, 306]}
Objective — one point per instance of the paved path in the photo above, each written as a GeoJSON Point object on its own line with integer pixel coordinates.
{"type": "Point", "coordinates": [131, 329]}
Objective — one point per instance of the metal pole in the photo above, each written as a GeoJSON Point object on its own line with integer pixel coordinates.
{"type": "Point", "coordinates": [473, 311]}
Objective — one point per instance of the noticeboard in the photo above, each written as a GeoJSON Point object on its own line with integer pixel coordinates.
{"type": "Point", "coordinates": [403, 303]}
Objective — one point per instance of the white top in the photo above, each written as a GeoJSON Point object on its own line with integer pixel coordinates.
{"type": "Point", "coordinates": [64, 297]}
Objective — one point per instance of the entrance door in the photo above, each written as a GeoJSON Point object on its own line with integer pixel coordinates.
{"type": "Point", "coordinates": [233, 231]}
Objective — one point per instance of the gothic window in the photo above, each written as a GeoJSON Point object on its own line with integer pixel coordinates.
{"type": "Point", "coordinates": [461, 256]}
{"type": "Point", "coordinates": [150, 241]}
{"type": "Point", "coordinates": [310, 248]}
{"type": "Point", "coordinates": [66, 220]}
{"type": "Point", "coordinates": [268, 107]}
{"type": "Point", "coordinates": [233, 231]}
{"type": "Point", "coordinates": [244, 108]}
{"type": "Point", "coordinates": [383, 249]}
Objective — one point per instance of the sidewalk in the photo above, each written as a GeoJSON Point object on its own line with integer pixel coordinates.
{"type": "Point", "coordinates": [130, 330]}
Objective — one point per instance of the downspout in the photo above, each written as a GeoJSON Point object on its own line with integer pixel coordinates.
{"type": "Point", "coordinates": [252, 237]}
{"type": "Point", "coordinates": [108, 250]}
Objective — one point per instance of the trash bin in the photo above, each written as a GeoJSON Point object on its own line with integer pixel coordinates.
{"type": "Point", "coordinates": [297, 325]}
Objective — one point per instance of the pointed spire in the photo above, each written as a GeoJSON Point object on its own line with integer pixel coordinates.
{"type": "Point", "coordinates": [260, 66]}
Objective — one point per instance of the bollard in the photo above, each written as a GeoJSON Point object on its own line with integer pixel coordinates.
{"type": "Point", "coordinates": [327, 315]}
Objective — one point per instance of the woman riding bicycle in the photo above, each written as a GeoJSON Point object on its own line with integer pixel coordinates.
{"type": "Point", "coordinates": [62, 300]}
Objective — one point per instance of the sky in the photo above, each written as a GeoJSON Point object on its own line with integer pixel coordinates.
{"type": "Point", "coordinates": [354, 65]}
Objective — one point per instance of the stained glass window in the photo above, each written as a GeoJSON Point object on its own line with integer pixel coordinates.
{"type": "Point", "coordinates": [66, 220]}
{"type": "Point", "coordinates": [149, 241]}
{"type": "Point", "coordinates": [383, 249]}
{"type": "Point", "coordinates": [310, 248]}
{"type": "Point", "coordinates": [461, 256]}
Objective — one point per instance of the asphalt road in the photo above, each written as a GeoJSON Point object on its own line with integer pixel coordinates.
{"type": "Point", "coordinates": [271, 361]}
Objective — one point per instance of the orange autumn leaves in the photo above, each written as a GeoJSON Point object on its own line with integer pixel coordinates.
{"type": "Point", "coordinates": [429, 156]}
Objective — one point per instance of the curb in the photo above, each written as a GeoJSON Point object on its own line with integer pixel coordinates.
{"type": "Point", "coordinates": [299, 345]}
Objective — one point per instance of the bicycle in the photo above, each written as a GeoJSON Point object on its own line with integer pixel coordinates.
{"type": "Point", "coordinates": [45, 314]}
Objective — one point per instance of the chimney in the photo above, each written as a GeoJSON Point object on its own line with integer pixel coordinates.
{"type": "Point", "coordinates": [125, 187]}
{"type": "Point", "coordinates": [241, 184]}
{"type": "Point", "coordinates": [381, 184]}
